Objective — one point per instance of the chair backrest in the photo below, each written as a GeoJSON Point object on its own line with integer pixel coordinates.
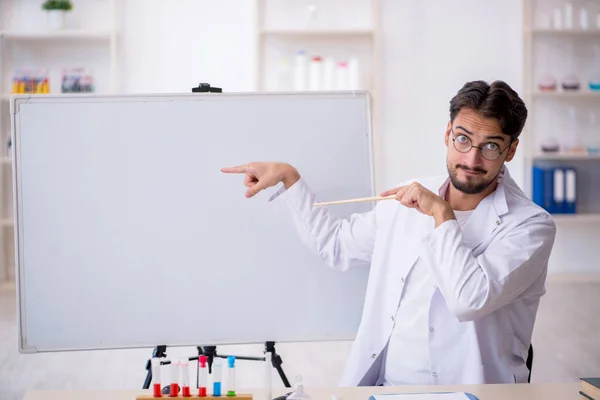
{"type": "Point", "coordinates": [529, 362]}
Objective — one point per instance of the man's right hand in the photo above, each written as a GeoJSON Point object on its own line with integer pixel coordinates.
{"type": "Point", "coordinates": [262, 175]}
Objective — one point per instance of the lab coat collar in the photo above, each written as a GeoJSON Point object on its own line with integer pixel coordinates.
{"type": "Point", "coordinates": [487, 215]}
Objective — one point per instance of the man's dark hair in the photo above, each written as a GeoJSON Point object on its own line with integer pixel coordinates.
{"type": "Point", "coordinates": [497, 100]}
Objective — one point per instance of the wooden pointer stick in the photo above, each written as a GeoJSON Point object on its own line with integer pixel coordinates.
{"type": "Point", "coordinates": [362, 199]}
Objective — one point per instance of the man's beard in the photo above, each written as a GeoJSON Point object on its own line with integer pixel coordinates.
{"type": "Point", "coordinates": [467, 186]}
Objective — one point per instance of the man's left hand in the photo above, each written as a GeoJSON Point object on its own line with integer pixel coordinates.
{"type": "Point", "coordinates": [423, 200]}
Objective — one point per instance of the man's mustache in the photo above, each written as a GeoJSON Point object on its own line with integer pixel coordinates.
{"type": "Point", "coordinates": [476, 169]}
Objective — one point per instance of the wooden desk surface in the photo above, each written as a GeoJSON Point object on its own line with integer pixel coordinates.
{"type": "Point", "coordinates": [533, 391]}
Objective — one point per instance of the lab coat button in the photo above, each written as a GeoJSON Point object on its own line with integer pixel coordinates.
{"type": "Point", "coordinates": [373, 355]}
{"type": "Point", "coordinates": [402, 280]}
{"type": "Point", "coordinates": [431, 329]}
{"type": "Point", "coordinates": [435, 375]}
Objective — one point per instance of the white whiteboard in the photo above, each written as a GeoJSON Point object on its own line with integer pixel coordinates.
{"type": "Point", "coordinates": [129, 235]}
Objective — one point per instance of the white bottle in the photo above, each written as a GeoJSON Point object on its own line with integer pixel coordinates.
{"type": "Point", "coordinates": [557, 19]}
{"type": "Point", "coordinates": [584, 22]}
{"type": "Point", "coordinates": [315, 74]}
{"type": "Point", "coordinates": [300, 71]}
{"type": "Point", "coordinates": [568, 15]}
{"type": "Point", "coordinates": [329, 74]}
{"type": "Point", "coordinates": [342, 76]}
{"type": "Point", "coordinates": [284, 75]}
{"type": "Point", "coordinates": [354, 73]}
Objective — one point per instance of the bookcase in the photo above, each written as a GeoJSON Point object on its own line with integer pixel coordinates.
{"type": "Point", "coordinates": [87, 40]}
{"type": "Point", "coordinates": [562, 81]}
{"type": "Point", "coordinates": [561, 44]}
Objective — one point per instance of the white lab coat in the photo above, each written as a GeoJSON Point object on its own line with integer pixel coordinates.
{"type": "Point", "coordinates": [490, 276]}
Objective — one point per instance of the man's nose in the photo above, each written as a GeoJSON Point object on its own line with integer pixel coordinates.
{"type": "Point", "coordinates": [474, 157]}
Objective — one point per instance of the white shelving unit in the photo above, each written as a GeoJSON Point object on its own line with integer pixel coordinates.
{"type": "Point", "coordinates": [559, 50]}
{"type": "Point", "coordinates": [89, 40]}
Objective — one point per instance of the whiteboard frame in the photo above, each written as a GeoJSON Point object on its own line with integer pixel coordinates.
{"type": "Point", "coordinates": [18, 99]}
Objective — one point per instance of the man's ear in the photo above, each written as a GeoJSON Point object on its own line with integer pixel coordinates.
{"type": "Point", "coordinates": [447, 135]}
{"type": "Point", "coordinates": [512, 150]}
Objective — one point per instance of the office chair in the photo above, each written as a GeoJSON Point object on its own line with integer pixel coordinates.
{"type": "Point", "coordinates": [529, 362]}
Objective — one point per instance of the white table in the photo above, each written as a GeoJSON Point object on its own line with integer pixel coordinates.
{"type": "Point", "coordinates": [533, 391]}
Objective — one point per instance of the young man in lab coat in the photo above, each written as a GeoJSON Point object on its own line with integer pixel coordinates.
{"type": "Point", "coordinates": [457, 263]}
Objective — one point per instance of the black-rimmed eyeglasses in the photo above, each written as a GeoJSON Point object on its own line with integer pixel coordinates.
{"type": "Point", "coordinates": [490, 151]}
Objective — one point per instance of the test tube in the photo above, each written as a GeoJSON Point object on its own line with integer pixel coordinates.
{"type": "Point", "coordinates": [156, 377]}
{"type": "Point", "coordinates": [216, 377]}
{"type": "Point", "coordinates": [202, 378]}
{"type": "Point", "coordinates": [268, 377]}
{"type": "Point", "coordinates": [174, 379]}
{"type": "Point", "coordinates": [184, 370]}
{"type": "Point", "coordinates": [231, 376]}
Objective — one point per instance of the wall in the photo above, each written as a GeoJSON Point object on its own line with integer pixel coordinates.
{"type": "Point", "coordinates": [449, 43]}
{"type": "Point", "coordinates": [170, 47]}
{"type": "Point", "coordinates": [429, 49]}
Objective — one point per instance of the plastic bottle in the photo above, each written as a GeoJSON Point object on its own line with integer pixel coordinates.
{"type": "Point", "coordinates": [594, 81]}
{"type": "Point", "coordinates": [342, 78]}
{"type": "Point", "coordinates": [300, 71]}
{"type": "Point", "coordinates": [329, 74]}
{"type": "Point", "coordinates": [354, 73]}
{"type": "Point", "coordinates": [284, 75]}
{"type": "Point", "coordinates": [315, 74]}
{"type": "Point", "coordinates": [568, 15]}
{"type": "Point", "coordinates": [592, 136]}
{"type": "Point", "coordinates": [584, 22]}
{"type": "Point", "coordinates": [571, 142]}
{"type": "Point", "coordinates": [298, 393]}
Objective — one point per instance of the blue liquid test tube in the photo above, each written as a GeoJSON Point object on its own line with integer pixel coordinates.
{"type": "Point", "coordinates": [216, 371]}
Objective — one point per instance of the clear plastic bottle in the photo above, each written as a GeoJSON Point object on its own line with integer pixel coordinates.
{"type": "Point", "coordinates": [284, 75]}
{"type": "Point", "coordinates": [315, 74]}
{"type": "Point", "coordinates": [300, 71]}
{"type": "Point", "coordinates": [298, 393]}
{"type": "Point", "coordinates": [594, 81]}
{"type": "Point", "coordinates": [591, 139]}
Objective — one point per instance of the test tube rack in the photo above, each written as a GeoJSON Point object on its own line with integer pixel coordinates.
{"type": "Point", "coordinates": [150, 395]}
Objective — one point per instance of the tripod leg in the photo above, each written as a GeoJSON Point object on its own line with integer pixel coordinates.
{"type": "Point", "coordinates": [277, 361]}
{"type": "Point", "coordinates": [159, 351]}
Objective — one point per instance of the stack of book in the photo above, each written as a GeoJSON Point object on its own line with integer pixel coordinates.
{"type": "Point", "coordinates": [590, 388]}
{"type": "Point", "coordinates": [555, 189]}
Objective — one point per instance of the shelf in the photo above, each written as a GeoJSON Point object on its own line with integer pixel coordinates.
{"type": "Point", "coordinates": [56, 35]}
{"type": "Point", "coordinates": [583, 93]}
{"type": "Point", "coordinates": [565, 32]}
{"type": "Point", "coordinates": [6, 160]}
{"type": "Point", "coordinates": [7, 222]}
{"type": "Point", "coordinates": [566, 156]}
{"type": "Point", "coordinates": [308, 33]}
{"type": "Point", "coordinates": [576, 217]}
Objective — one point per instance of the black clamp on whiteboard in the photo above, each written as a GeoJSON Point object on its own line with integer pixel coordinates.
{"type": "Point", "coordinates": [205, 87]}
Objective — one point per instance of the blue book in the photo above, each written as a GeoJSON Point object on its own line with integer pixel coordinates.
{"type": "Point", "coordinates": [543, 188]}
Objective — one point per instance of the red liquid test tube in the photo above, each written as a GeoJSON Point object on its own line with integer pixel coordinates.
{"type": "Point", "coordinates": [174, 379]}
{"type": "Point", "coordinates": [156, 389]}
{"type": "Point", "coordinates": [202, 379]}
{"type": "Point", "coordinates": [184, 370]}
